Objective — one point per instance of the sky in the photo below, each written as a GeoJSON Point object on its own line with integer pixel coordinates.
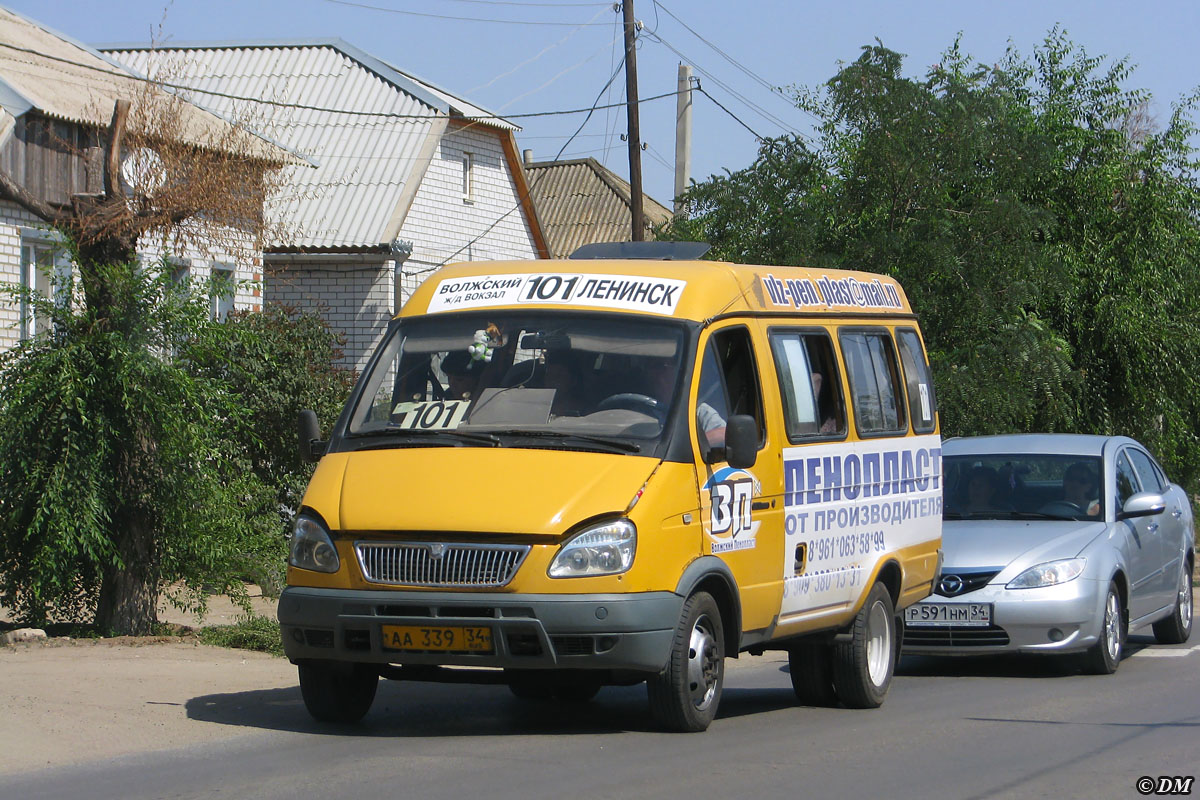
{"type": "Point", "coordinates": [530, 56]}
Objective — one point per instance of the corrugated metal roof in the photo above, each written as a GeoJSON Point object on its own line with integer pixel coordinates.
{"type": "Point", "coordinates": [580, 202]}
{"type": "Point", "coordinates": [63, 79]}
{"type": "Point", "coordinates": [366, 150]}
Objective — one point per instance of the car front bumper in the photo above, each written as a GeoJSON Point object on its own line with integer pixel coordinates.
{"type": "Point", "coordinates": [1053, 619]}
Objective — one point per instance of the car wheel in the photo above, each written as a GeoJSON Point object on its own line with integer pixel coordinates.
{"type": "Point", "coordinates": [684, 696]}
{"type": "Point", "coordinates": [341, 693]}
{"type": "Point", "coordinates": [1104, 656]}
{"type": "Point", "coordinates": [863, 666]}
{"type": "Point", "coordinates": [811, 667]}
{"type": "Point", "coordinates": [1176, 628]}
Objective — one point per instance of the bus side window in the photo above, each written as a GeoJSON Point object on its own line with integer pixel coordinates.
{"type": "Point", "coordinates": [809, 384]}
{"type": "Point", "coordinates": [728, 385]}
{"type": "Point", "coordinates": [874, 381]}
{"type": "Point", "coordinates": [921, 401]}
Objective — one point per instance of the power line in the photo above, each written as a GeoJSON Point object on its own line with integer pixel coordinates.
{"type": "Point", "coordinates": [762, 81]}
{"type": "Point", "coordinates": [534, 5]}
{"type": "Point", "coordinates": [746, 101]}
{"type": "Point", "coordinates": [541, 53]}
{"type": "Point", "coordinates": [370, 7]}
{"type": "Point", "coordinates": [536, 179]}
{"type": "Point", "coordinates": [700, 89]}
{"type": "Point", "coordinates": [744, 69]}
{"type": "Point", "coordinates": [324, 109]}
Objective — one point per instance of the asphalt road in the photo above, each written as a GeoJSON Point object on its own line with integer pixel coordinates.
{"type": "Point", "coordinates": [961, 728]}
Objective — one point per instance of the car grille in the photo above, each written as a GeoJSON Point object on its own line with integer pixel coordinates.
{"type": "Point", "coordinates": [967, 582]}
{"type": "Point", "coordinates": [955, 636]}
{"type": "Point", "coordinates": [440, 565]}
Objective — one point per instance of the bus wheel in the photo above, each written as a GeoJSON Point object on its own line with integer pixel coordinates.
{"type": "Point", "coordinates": [338, 693]}
{"type": "Point", "coordinates": [685, 695]}
{"type": "Point", "coordinates": [863, 666]}
{"type": "Point", "coordinates": [811, 667]}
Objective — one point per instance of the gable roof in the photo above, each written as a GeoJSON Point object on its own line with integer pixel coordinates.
{"type": "Point", "coordinates": [44, 71]}
{"type": "Point", "coordinates": [369, 128]}
{"type": "Point", "coordinates": [580, 202]}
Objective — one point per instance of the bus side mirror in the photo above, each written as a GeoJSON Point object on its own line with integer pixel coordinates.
{"type": "Point", "coordinates": [309, 432]}
{"type": "Point", "coordinates": [741, 441]}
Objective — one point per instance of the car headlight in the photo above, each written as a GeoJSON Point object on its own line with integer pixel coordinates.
{"type": "Point", "coordinates": [1048, 574]}
{"type": "Point", "coordinates": [605, 549]}
{"type": "Point", "coordinates": [312, 547]}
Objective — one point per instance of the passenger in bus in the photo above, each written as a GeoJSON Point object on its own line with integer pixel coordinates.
{"type": "Point", "coordinates": [825, 412]}
{"type": "Point", "coordinates": [462, 373]}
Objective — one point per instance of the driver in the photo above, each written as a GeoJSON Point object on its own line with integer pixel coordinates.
{"type": "Point", "coordinates": [1081, 488]}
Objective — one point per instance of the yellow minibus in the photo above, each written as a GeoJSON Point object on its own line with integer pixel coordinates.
{"type": "Point", "coordinates": [619, 468]}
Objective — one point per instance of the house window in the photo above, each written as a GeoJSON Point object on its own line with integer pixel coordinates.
{"type": "Point", "coordinates": [223, 287]}
{"type": "Point", "coordinates": [468, 177]}
{"type": "Point", "coordinates": [180, 271]}
{"type": "Point", "coordinates": [45, 272]}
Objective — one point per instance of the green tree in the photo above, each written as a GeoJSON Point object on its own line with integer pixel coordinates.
{"type": "Point", "coordinates": [115, 470]}
{"type": "Point", "coordinates": [202, 191]}
{"type": "Point", "coordinates": [275, 363]}
{"type": "Point", "coordinates": [1046, 235]}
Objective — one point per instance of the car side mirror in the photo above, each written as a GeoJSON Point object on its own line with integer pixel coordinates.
{"type": "Point", "coordinates": [1143, 504]}
{"type": "Point", "coordinates": [309, 433]}
{"type": "Point", "coordinates": [741, 441]}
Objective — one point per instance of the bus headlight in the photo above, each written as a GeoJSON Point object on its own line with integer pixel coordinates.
{"type": "Point", "coordinates": [312, 547]}
{"type": "Point", "coordinates": [604, 549]}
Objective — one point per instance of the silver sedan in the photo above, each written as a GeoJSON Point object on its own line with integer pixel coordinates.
{"type": "Point", "coordinates": [1056, 543]}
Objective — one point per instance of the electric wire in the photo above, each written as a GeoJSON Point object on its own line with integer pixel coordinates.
{"type": "Point", "coordinates": [700, 89]}
{"type": "Point", "coordinates": [541, 53]}
{"type": "Point", "coordinates": [427, 15]}
{"type": "Point", "coordinates": [529, 184]}
{"type": "Point", "coordinates": [733, 92]}
{"type": "Point", "coordinates": [324, 109]}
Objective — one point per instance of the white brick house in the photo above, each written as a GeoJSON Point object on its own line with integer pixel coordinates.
{"type": "Point", "coordinates": [405, 178]}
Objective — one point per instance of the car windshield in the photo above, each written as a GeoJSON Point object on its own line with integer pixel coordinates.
{"type": "Point", "coordinates": [523, 379]}
{"type": "Point", "coordinates": [1033, 486]}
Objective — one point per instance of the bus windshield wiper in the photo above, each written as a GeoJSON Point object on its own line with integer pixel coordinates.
{"type": "Point", "coordinates": [449, 433]}
{"type": "Point", "coordinates": [616, 444]}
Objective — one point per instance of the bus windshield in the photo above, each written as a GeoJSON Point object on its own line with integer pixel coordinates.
{"type": "Point", "coordinates": [508, 376]}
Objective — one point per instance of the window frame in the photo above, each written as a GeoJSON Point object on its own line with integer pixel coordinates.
{"type": "Point", "coordinates": [774, 334]}
{"type": "Point", "coordinates": [59, 270]}
{"type": "Point", "coordinates": [1160, 486]}
{"type": "Point", "coordinates": [722, 375]}
{"type": "Point", "coordinates": [468, 176]}
{"type": "Point", "coordinates": [221, 304]}
{"type": "Point", "coordinates": [898, 385]}
{"type": "Point", "coordinates": [923, 365]}
{"type": "Point", "coordinates": [1120, 502]}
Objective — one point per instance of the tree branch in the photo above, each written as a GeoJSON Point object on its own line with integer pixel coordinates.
{"type": "Point", "coordinates": [16, 193]}
{"type": "Point", "coordinates": [112, 161]}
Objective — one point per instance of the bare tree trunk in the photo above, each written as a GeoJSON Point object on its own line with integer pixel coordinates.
{"type": "Point", "coordinates": [129, 596]}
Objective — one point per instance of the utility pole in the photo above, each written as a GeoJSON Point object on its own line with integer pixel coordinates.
{"type": "Point", "coordinates": [635, 135]}
{"type": "Point", "coordinates": [683, 135]}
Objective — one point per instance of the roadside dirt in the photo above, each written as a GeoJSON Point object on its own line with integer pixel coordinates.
{"type": "Point", "coordinates": [69, 701]}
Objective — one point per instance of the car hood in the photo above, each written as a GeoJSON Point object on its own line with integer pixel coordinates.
{"type": "Point", "coordinates": [472, 489]}
{"type": "Point", "coordinates": [1012, 545]}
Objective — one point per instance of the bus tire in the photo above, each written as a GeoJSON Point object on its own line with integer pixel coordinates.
{"type": "Point", "coordinates": [811, 666]}
{"type": "Point", "coordinates": [685, 695]}
{"type": "Point", "coordinates": [864, 665]}
{"type": "Point", "coordinates": [336, 694]}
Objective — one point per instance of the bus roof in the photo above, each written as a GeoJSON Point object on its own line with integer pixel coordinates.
{"type": "Point", "coordinates": [693, 290]}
